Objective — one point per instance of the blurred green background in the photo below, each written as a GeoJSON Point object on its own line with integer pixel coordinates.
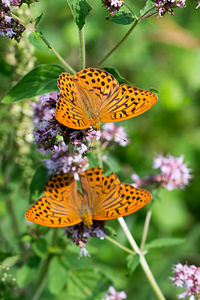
{"type": "Point", "coordinates": [162, 53]}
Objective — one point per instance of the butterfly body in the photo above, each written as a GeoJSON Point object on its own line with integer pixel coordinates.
{"type": "Point", "coordinates": [102, 198]}
{"type": "Point", "coordinates": [87, 217]}
{"type": "Point", "coordinates": [93, 96]}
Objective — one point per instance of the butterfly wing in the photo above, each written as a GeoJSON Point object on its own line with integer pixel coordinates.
{"type": "Point", "coordinates": [59, 207]}
{"type": "Point", "coordinates": [68, 111]}
{"type": "Point", "coordinates": [107, 198]}
{"type": "Point", "coordinates": [127, 102]}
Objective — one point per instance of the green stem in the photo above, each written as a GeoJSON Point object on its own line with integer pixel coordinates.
{"type": "Point", "coordinates": [119, 43]}
{"type": "Point", "coordinates": [67, 66]}
{"type": "Point", "coordinates": [42, 277]}
{"type": "Point", "coordinates": [119, 245]}
{"type": "Point", "coordinates": [146, 228]}
{"type": "Point", "coordinates": [98, 152]}
{"type": "Point", "coordinates": [143, 261]}
{"type": "Point", "coordinates": [17, 18]}
{"type": "Point", "coordinates": [82, 48]}
{"type": "Point", "coordinates": [79, 283]}
{"type": "Point", "coordinates": [137, 20]}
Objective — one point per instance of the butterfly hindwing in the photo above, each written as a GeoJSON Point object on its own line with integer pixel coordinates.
{"type": "Point", "coordinates": [127, 102]}
{"type": "Point", "coordinates": [108, 198]}
{"type": "Point", "coordinates": [68, 112]}
{"type": "Point", "coordinates": [59, 207]}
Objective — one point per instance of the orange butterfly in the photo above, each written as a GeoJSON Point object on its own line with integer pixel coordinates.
{"type": "Point", "coordinates": [93, 96]}
{"type": "Point", "coordinates": [102, 198]}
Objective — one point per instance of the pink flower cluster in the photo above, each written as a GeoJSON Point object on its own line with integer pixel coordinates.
{"type": "Point", "coordinates": [112, 5]}
{"type": "Point", "coordinates": [166, 6]}
{"type": "Point", "coordinates": [188, 277]}
{"type": "Point", "coordinates": [10, 26]}
{"type": "Point", "coordinates": [173, 173]}
{"type": "Point", "coordinates": [114, 295]}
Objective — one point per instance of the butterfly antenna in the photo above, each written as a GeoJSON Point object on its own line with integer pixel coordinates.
{"type": "Point", "coordinates": [121, 138]}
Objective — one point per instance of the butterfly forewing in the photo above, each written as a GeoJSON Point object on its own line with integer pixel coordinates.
{"type": "Point", "coordinates": [97, 85]}
{"type": "Point", "coordinates": [60, 205]}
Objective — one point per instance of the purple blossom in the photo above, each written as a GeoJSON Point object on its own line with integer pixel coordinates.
{"type": "Point", "coordinates": [62, 161]}
{"type": "Point", "coordinates": [9, 26]}
{"type": "Point", "coordinates": [79, 233]}
{"type": "Point", "coordinates": [173, 173]}
{"type": "Point", "coordinates": [112, 5]}
{"type": "Point", "coordinates": [166, 6]}
{"type": "Point", "coordinates": [114, 295]}
{"type": "Point", "coordinates": [188, 277]}
{"type": "Point", "coordinates": [111, 133]}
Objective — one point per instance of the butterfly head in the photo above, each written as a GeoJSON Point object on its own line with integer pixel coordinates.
{"type": "Point", "coordinates": [87, 218]}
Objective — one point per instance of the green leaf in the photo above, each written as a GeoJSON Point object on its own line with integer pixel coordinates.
{"type": "Point", "coordinates": [132, 262]}
{"type": "Point", "coordinates": [10, 261]}
{"type": "Point", "coordinates": [164, 242]}
{"type": "Point", "coordinates": [57, 277]}
{"type": "Point", "coordinates": [38, 181]}
{"type": "Point", "coordinates": [38, 19]}
{"type": "Point", "coordinates": [122, 18]}
{"type": "Point", "coordinates": [40, 248]}
{"type": "Point", "coordinates": [23, 275]}
{"type": "Point", "coordinates": [80, 9]}
{"type": "Point", "coordinates": [116, 74]}
{"type": "Point", "coordinates": [149, 4]}
{"type": "Point", "coordinates": [41, 80]}
{"type": "Point", "coordinates": [36, 39]}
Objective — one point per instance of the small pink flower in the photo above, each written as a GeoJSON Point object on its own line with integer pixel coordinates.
{"type": "Point", "coordinates": [111, 133]}
{"type": "Point", "coordinates": [114, 295]}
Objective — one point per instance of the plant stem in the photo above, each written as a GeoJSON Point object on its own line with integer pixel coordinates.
{"type": "Point", "coordinates": [119, 43]}
{"type": "Point", "coordinates": [143, 261]}
{"type": "Point", "coordinates": [119, 245]}
{"type": "Point", "coordinates": [67, 66]}
{"type": "Point", "coordinates": [137, 20]}
{"type": "Point", "coordinates": [146, 228]}
{"type": "Point", "coordinates": [82, 48]}
{"type": "Point", "coordinates": [98, 152]}
{"type": "Point", "coordinates": [130, 9]}
{"type": "Point", "coordinates": [42, 277]}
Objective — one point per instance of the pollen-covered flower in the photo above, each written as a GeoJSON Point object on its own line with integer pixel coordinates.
{"type": "Point", "coordinates": [114, 295]}
{"type": "Point", "coordinates": [166, 6]}
{"type": "Point", "coordinates": [173, 172]}
{"type": "Point", "coordinates": [111, 133]}
{"type": "Point", "coordinates": [112, 5]}
{"type": "Point", "coordinates": [187, 277]}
